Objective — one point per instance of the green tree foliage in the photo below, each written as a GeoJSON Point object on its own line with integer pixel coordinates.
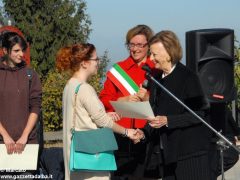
{"type": "Point", "coordinates": [52, 100]}
{"type": "Point", "coordinates": [237, 50]}
{"type": "Point", "coordinates": [49, 25]}
{"type": "Point", "coordinates": [237, 70]}
{"type": "Point", "coordinates": [52, 96]}
{"type": "Point", "coordinates": [97, 80]}
{"type": "Point", "coordinates": [1, 15]}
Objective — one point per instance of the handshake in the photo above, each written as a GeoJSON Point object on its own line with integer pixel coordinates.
{"type": "Point", "coordinates": [136, 135]}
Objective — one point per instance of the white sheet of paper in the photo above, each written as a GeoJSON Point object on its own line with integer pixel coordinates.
{"type": "Point", "coordinates": [139, 110]}
{"type": "Point", "coordinates": [25, 161]}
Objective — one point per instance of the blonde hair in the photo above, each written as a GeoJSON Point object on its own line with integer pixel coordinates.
{"type": "Point", "coordinates": [170, 42]}
{"type": "Point", "coordinates": [139, 30]}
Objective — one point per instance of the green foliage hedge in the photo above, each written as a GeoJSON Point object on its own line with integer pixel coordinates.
{"type": "Point", "coordinates": [237, 71]}
{"type": "Point", "coordinates": [52, 100]}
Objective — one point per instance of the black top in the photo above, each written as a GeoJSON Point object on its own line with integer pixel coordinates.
{"type": "Point", "coordinates": [185, 136]}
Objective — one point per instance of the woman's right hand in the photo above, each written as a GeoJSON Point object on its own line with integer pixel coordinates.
{"type": "Point", "coordinates": [140, 136]}
{"type": "Point", "coordinates": [132, 134]}
{"type": "Point", "coordinates": [9, 143]}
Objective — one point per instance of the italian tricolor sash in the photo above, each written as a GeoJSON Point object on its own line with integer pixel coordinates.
{"type": "Point", "coordinates": [122, 80]}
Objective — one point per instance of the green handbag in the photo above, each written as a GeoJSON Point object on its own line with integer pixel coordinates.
{"type": "Point", "coordinates": [92, 150]}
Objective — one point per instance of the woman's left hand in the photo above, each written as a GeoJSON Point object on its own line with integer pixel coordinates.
{"type": "Point", "coordinates": [158, 121]}
{"type": "Point", "coordinates": [115, 116]}
{"type": "Point", "coordinates": [20, 144]}
{"type": "Point", "coordinates": [143, 94]}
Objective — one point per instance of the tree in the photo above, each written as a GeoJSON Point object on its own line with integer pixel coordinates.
{"type": "Point", "coordinates": [49, 25]}
{"type": "Point", "coordinates": [237, 70]}
{"type": "Point", "coordinates": [1, 15]}
{"type": "Point", "coordinates": [237, 50]}
{"type": "Point", "coordinates": [97, 80]}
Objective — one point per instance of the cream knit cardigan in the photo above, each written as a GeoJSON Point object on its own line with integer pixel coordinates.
{"type": "Point", "coordinates": [90, 114]}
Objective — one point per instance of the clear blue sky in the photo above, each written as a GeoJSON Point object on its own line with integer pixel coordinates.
{"type": "Point", "coordinates": [111, 19]}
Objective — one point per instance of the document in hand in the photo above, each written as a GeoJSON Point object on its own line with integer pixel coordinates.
{"type": "Point", "coordinates": [139, 110]}
{"type": "Point", "coordinates": [25, 161]}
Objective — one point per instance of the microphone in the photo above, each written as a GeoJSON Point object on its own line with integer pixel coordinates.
{"type": "Point", "coordinates": [145, 84]}
{"type": "Point", "coordinates": [146, 68]}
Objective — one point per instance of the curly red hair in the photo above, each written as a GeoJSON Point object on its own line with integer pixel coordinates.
{"type": "Point", "coordinates": [63, 58]}
{"type": "Point", "coordinates": [70, 57]}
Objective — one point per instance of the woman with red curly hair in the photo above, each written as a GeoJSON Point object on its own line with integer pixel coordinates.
{"type": "Point", "coordinates": [82, 61]}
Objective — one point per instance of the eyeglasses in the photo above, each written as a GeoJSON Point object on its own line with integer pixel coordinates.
{"type": "Point", "coordinates": [132, 45]}
{"type": "Point", "coordinates": [96, 59]}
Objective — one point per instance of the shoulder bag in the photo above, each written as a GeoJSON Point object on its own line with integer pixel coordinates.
{"type": "Point", "coordinates": [92, 150]}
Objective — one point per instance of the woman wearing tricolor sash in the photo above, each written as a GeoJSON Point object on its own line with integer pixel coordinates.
{"type": "Point", "coordinates": [122, 83]}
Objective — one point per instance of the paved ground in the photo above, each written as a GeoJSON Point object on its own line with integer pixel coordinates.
{"type": "Point", "coordinates": [55, 138]}
{"type": "Point", "coordinates": [233, 173]}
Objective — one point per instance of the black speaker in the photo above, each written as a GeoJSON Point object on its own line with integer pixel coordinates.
{"type": "Point", "coordinates": [210, 53]}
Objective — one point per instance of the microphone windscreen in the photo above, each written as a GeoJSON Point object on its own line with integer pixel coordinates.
{"type": "Point", "coordinates": [145, 84]}
{"type": "Point", "coordinates": [146, 68]}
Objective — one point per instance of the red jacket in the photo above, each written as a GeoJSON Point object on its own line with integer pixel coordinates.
{"type": "Point", "coordinates": [110, 92]}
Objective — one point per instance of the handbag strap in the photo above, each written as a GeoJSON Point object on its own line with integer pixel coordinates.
{"type": "Point", "coordinates": [74, 108]}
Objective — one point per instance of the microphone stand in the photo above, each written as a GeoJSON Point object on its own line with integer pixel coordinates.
{"type": "Point", "coordinates": [222, 140]}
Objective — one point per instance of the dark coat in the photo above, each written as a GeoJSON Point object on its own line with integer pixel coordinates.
{"type": "Point", "coordinates": [185, 136]}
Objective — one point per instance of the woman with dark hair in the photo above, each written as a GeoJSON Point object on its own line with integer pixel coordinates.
{"type": "Point", "coordinates": [178, 141]}
{"type": "Point", "coordinates": [82, 61]}
{"type": "Point", "coordinates": [20, 100]}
